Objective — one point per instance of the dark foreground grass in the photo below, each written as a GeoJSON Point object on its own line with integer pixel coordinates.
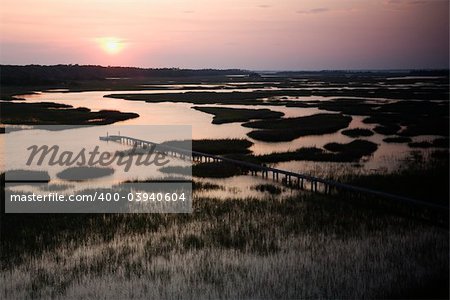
{"type": "Point", "coordinates": [424, 144]}
{"type": "Point", "coordinates": [288, 129]}
{"type": "Point", "coordinates": [224, 115]}
{"type": "Point", "coordinates": [420, 178]}
{"type": "Point", "coordinates": [397, 139]}
{"type": "Point", "coordinates": [308, 246]}
{"type": "Point", "coordinates": [48, 113]}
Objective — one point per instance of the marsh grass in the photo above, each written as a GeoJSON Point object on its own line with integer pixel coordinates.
{"type": "Point", "coordinates": [357, 132]}
{"type": "Point", "coordinates": [48, 113]}
{"type": "Point", "coordinates": [84, 173]}
{"type": "Point", "coordinates": [356, 148]}
{"type": "Point", "coordinates": [436, 143]}
{"type": "Point", "coordinates": [203, 97]}
{"type": "Point", "coordinates": [55, 187]}
{"type": "Point", "coordinates": [387, 129]}
{"type": "Point", "coordinates": [288, 129]}
{"type": "Point", "coordinates": [349, 106]}
{"type": "Point", "coordinates": [181, 170]}
{"type": "Point", "coordinates": [204, 186]}
{"type": "Point", "coordinates": [308, 246]}
{"type": "Point", "coordinates": [419, 118]}
{"type": "Point", "coordinates": [350, 152]}
{"type": "Point", "coordinates": [307, 153]}
{"type": "Point", "coordinates": [224, 115]}
{"type": "Point", "coordinates": [397, 139]}
{"type": "Point", "coordinates": [421, 177]}
{"type": "Point", "coordinates": [216, 170]}
{"type": "Point", "coordinates": [15, 176]}
{"type": "Point", "coordinates": [269, 188]}
{"type": "Point", "coordinates": [213, 146]}
{"type": "Point", "coordinates": [441, 142]}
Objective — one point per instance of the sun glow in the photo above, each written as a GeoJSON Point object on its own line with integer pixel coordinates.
{"type": "Point", "coordinates": [111, 45]}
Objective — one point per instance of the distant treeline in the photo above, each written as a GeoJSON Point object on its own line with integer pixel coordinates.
{"type": "Point", "coordinates": [360, 73]}
{"type": "Point", "coordinates": [43, 75]}
{"type": "Point", "coordinates": [60, 74]}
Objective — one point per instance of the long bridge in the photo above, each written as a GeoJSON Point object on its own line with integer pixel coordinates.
{"type": "Point", "coordinates": [288, 178]}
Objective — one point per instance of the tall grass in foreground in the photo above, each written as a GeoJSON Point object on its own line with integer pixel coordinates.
{"type": "Point", "coordinates": [308, 246]}
{"type": "Point", "coordinates": [422, 177]}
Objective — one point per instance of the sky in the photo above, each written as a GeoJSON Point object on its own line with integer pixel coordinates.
{"type": "Point", "coordinates": [246, 34]}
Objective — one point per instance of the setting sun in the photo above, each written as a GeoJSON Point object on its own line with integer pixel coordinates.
{"type": "Point", "coordinates": [111, 45]}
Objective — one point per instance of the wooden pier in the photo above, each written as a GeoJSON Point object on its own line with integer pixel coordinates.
{"type": "Point", "coordinates": [288, 178]}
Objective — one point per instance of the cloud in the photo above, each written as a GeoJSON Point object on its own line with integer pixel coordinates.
{"type": "Point", "coordinates": [263, 6]}
{"type": "Point", "coordinates": [408, 2]}
{"type": "Point", "coordinates": [399, 5]}
{"type": "Point", "coordinates": [314, 10]}
{"type": "Point", "coordinates": [319, 10]}
{"type": "Point", "coordinates": [418, 2]}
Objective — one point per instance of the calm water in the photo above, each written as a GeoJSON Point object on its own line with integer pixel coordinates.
{"type": "Point", "coordinates": [87, 138]}
{"type": "Point", "coordinates": [385, 159]}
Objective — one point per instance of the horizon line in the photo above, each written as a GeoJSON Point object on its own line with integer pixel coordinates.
{"type": "Point", "coordinates": [235, 68]}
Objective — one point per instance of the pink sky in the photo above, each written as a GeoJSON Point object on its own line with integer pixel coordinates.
{"type": "Point", "coordinates": [250, 34]}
